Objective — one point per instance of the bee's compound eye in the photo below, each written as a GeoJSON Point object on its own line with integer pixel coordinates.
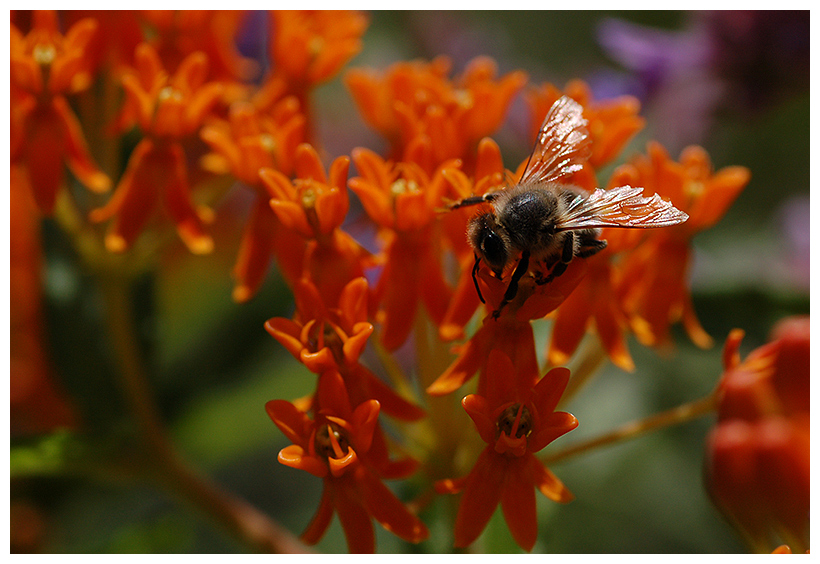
{"type": "Point", "coordinates": [494, 248]}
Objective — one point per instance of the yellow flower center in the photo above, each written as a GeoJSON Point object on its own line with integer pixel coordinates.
{"type": "Point", "coordinates": [44, 54]}
{"type": "Point", "coordinates": [402, 186]}
{"type": "Point", "coordinates": [268, 142]}
{"type": "Point", "coordinates": [694, 189]}
{"type": "Point", "coordinates": [464, 98]}
{"type": "Point", "coordinates": [309, 198]}
{"type": "Point", "coordinates": [170, 93]}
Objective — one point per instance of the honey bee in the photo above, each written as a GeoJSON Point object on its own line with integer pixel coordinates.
{"type": "Point", "coordinates": [542, 220]}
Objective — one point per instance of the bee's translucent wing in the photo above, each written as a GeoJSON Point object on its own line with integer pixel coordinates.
{"type": "Point", "coordinates": [562, 146]}
{"type": "Point", "coordinates": [620, 207]}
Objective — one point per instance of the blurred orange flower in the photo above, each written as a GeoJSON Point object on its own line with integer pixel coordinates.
{"type": "Point", "coordinates": [178, 33]}
{"type": "Point", "coordinates": [415, 99]}
{"type": "Point", "coordinates": [403, 200]}
{"type": "Point", "coordinates": [515, 423]}
{"type": "Point", "coordinates": [167, 109]}
{"type": "Point", "coordinates": [337, 447]}
{"type": "Point", "coordinates": [758, 459]}
{"type": "Point", "coordinates": [594, 302]}
{"type": "Point", "coordinates": [308, 47]}
{"type": "Point", "coordinates": [45, 133]}
{"type": "Point", "coordinates": [249, 141]}
{"type": "Point", "coordinates": [37, 403]}
{"type": "Point", "coordinates": [653, 288]}
{"type": "Point", "coordinates": [612, 123]}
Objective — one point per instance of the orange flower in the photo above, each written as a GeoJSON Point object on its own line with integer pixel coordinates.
{"type": "Point", "coordinates": [515, 423]}
{"type": "Point", "coordinates": [167, 110]}
{"type": "Point", "coordinates": [308, 47]}
{"type": "Point", "coordinates": [45, 66]}
{"type": "Point", "coordinates": [336, 446]}
{"type": "Point", "coordinates": [403, 200]}
{"type": "Point", "coordinates": [414, 100]}
{"type": "Point", "coordinates": [37, 404]}
{"type": "Point", "coordinates": [593, 301]}
{"type": "Point", "coordinates": [509, 333]}
{"type": "Point", "coordinates": [757, 466]}
{"type": "Point", "coordinates": [612, 123]}
{"type": "Point", "coordinates": [653, 288]}
{"type": "Point", "coordinates": [178, 33]}
{"type": "Point", "coordinates": [325, 338]}
{"type": "Point", "coordinates": [249, 141]}
{"type": "Point", "coordinates": [314, 205]}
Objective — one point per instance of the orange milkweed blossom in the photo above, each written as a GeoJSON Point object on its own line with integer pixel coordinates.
{"type": "Point", "coordinates": [403, 201]}
{"type": "Point", "coordinates": [37, 404]}
{"type": "Point", "coordinates": [314, 205]}
{"type": "Point", "coordinates": [178, 33]}
{"type": "Point", "coordinates": [510, 332]}
{"type": "Point", "coordinates": [168, 110]}
{"type": "Point", "coordinates": [515, 422]}
{"type": "Point", "coordinates": [337, 446]}
{"type": "Point", "coordinates": [324, 337]}
{"type": "Point", "coordinates": [249, 141]}
{"type": "Point", "coordinates": [757, 456]}
{"type": "Point", "coordinates": [611, 123]}
{"type": "Point", "coordinates": [308, 47]}
{"type": "Point", "coordinates": [415, 100]}
{"type": "Point", "coordinates": [45, 133]}
{"type": "Point", "coordinates": [653, 288]}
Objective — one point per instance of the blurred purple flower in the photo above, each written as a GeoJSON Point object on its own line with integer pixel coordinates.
{"type": "Point", "coordinates": [793, 221]}
{"type": "Point", "coordinates": [723, 60]}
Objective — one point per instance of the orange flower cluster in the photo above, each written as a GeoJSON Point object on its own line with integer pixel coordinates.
{"type": "Point", "coordinates": [45, 67]}
{"type": "Point", "coordinates": [757, 466]}
{"type": "Point", "coordinates": [191, 104]}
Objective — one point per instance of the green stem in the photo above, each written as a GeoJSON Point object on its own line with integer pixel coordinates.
{"type": "Point", "coordinates": [243, 521]}
{"type": "Point", "coordinates": [674, 416]}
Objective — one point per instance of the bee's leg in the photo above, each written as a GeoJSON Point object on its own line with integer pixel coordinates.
{"type": "Point", "coordinates": [567, 254]}
{"type": "Point", "coordinates": [473, 200]}
{"type": "Point", "coordinates": [475, 278]}
{"type": "Point", "coordinates": [520, 269]}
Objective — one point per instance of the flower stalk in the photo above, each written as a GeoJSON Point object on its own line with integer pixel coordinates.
{"type": "Point", "coordinates": [675, 416]}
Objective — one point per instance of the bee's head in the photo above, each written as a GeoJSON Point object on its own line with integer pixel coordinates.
{"type": "Point", "coordinates": [490, 241]}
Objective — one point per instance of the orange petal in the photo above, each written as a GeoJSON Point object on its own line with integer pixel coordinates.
{"type": "Point", "coordinates": [363, 422]}
{"type": "Point", "coordinates": [292, 422]}
{"type": "Point", "coordinates": [296, 457]}
{"type": "Point", "coordinates": [482, 493]}
{"type": "Point", "coordinates": [470, 359]}
{"type": "Point", "coordinates": [255, 251]}
{"type": "Point", "coordinates": [478, 410]}
{"type": "Point", "coordinates": [358, 528]}
{"type": "Point", "coordinates": [181, 208]}
{"type": "Point", "coordinates": [518, 504]}
{"type": "Point", "coordinates": [570, 325]}
{"type": "Point", "coordinates": [287, 333]}
{"type": "Point", "coordinates": [389, 511]}
{"type": "Point", "coordinates": [321, 520]}
{"type": "Point", "coordinates": [548, 484]}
